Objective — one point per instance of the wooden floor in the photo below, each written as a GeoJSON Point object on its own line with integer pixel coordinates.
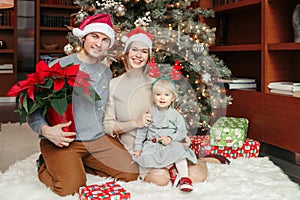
{"type": "Point", "coordinates": [279, 156]}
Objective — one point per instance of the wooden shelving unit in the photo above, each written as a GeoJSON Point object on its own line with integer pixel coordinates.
{"type": "Point", "coordinates": [48, 32]}
{"type": "Point", "coordinates": [8, 33]}
{"type": "Point", "coordinates": [255, 40]}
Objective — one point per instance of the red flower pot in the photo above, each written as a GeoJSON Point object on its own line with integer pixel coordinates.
{"type": "Point", "coordinates": [54, 118]}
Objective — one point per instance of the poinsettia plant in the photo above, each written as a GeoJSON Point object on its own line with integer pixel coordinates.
{"type": "Point", "coordinates": [51, 87]}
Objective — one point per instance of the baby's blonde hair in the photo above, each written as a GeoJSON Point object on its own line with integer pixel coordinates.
{"type": "Point", "coordinates": [166, 84]}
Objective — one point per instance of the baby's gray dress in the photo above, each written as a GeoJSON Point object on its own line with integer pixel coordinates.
{"type": "Point", "coordinates": [155, 155]}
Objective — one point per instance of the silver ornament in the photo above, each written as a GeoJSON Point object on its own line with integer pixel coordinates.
{"type": "Point", "coordinates": [206, 77]}
{"type": "Point", "coordinates": [68, 49]}
{"type": "Point", "coordinates": [81, 15]}
{"type": "Point", "coordinates": [198, 48]}
{"type": "Point", "coordinates": [120, 10]}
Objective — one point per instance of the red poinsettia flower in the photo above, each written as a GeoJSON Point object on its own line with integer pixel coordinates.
{"type": "Point", "coordinates": [71, 73]}
{"type": "Point", "coordinates": [42, 71]}
{"type": "Point", "coordinates": [51, 87]}
{"type": "Point", "coordinates": [24, 86]}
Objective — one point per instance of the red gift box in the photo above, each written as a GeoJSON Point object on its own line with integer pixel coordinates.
{"type": "Point", "coordinates": [106, 191]}
{"type": "Point", "coordinates": [201, 146]}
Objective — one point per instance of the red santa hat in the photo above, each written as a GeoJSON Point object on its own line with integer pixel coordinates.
{"type": "Point", "coordinates": [139, 35]}
{"type": "Point", "coordinates": [97, 23]}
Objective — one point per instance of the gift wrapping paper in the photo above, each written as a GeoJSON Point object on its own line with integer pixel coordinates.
{"type": "Point", "coordinates": [201, 146]}
{"type": "Point", "coordinates": [106, 191]}
{"type": "Point", "coordinates": [229, 132]}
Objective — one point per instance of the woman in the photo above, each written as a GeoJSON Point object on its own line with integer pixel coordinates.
{"type": "Point", "coordinates": [130, 99]}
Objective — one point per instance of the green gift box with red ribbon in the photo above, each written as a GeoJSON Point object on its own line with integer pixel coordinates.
{"type": "Point", "coordinates": [107, 191]}
{"type": "Point", "coordinates": [229, 132]}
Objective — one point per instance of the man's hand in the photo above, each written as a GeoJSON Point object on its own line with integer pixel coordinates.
{"type": "Point", "coordinates": [57, 136]}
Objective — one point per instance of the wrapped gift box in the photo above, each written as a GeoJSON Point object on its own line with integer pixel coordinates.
{"type": "Point", "coordinates": [229, 132]}
{"type": "Point", "coordinates": [200, 145]}
{"type": "Point", "coordinates": [106, 191]}
{"type": "Point", "coordinates": [249, 149]}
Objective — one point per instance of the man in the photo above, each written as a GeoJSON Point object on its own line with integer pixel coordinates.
{"type": "Point", "coordinates": [64, 159]}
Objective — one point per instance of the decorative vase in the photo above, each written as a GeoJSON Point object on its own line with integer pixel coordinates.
{"type": "Point", "coordinates": [296, 23]}
{"type": "Point", "coordinates": [54, 118]}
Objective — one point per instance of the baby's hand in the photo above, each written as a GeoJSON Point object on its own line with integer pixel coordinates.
{"type": "Point", "coordinates": [137, 153]}
{"type": "Point", "coordinates": [165, 140]}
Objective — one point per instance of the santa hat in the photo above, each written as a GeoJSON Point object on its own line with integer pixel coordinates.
{"type": "Point", "coordinates": [97, 23]}
{"type": "Point", "coordinates": [138, 35]}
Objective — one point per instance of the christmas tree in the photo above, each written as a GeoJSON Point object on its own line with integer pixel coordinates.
{"type": "Point", "coordinates": [179, 35]}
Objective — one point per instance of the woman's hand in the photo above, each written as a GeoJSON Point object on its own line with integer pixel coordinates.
{"type": "Point", "coordinates": [57, 136]}
{"type": "Point", "coordinates": [144, 119]}
{"type": "Point", "coordinates": [165, 140]}
{"type": "Point", "coordinates": [137, 153]}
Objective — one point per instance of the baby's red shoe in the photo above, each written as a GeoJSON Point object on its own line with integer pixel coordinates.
{"type": "Point", "coordinates": [186, 184]}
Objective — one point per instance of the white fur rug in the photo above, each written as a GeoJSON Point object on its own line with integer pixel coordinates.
{"type": "Point", "coordinates": [255, 178]}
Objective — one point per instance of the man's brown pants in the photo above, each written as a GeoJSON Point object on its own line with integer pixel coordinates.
{"type": "Point", "coordinates": [64, 168]}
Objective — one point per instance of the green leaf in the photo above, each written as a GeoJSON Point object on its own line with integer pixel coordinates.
{"type": "Point", "coordinates": [49, 83]}
{"type": "Point", "coordinates": [34, 107]}
{"type": "Point", "coordinates": [20, 105]}
{"type": "Point", "coordinates": [69, 65]}
{"type": "Point", "coordinates": [25, 103]}
{"type": "Point", "coordinates": [93, 95]}
{"type": "Point", "coordinates": [59, 105]}
{"type": "Point", "coordinates": [23, 118]}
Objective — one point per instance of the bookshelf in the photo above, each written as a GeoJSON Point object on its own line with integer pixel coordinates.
{"type": "Point", "coordinates": [52, 16]}
{"type": "Point", "coordinates": [8, 51]}
{"type": "Point", "coordinates": [255, 40]}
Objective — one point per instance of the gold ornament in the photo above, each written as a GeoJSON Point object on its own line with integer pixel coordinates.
{"type": "Point", "coordinates": [148, 1]}
{"type": "Point", "coordinates": [120, 10]}
{"type": "Point", "coordinates": [78, 48]}
{"type": "Point", "coordinates": [177, 5]}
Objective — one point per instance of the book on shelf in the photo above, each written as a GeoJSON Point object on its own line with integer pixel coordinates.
{"type": "Point", "coordinates": [59, 2]}
{"type": "Point", "coordinates": [237, 83]}
{"type": "Point", "coordinates": [6, 66]}
{"type": "Point", "coordinates": [6, 71]}
{"type": "Point", "coordinates": [236, 80]}
{"type": "Point", "coordinates": [285, 92]}
{"type": "Point", "coordinates": [285, 85]}
{"type": "Point", "coordinates": [232, 86]}
{"type": "Point", "coordinates": [6, 17]}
